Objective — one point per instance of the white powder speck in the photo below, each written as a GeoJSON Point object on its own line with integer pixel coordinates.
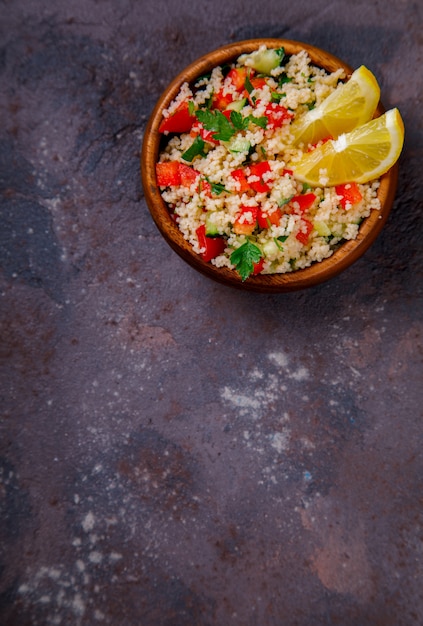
{"type": "Point", "coordinates": [279, 358]}
{"type": "Point", "coordinates": [280, 441]}
{"type": "Point", "coordinates": [95, 557]}
{"type": "Point", "coordinates": [301, 374]}
{"type": "Point", "coordinates": [78, 605]}
{"type": "Point", "coordinates": [88, 522]}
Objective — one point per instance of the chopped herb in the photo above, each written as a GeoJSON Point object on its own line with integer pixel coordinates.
{"type": "Point", "coordinates": [217, 188]}
{"type": "Point", "coordinates": [281, 54]}
{"type": "Point", "coordinates": [280, 239]}
{"type": "Point", "coordinates": [239, 122]}
{"type": "Point", "coordinates": [244, 258]}
{"type": "Point", "coordinates": [195, 149]}
{"type": "Point", "coordinates": [191, 107]}
{"type": "Point", "coordinates": [247, 84]}
{"type": "Point", "coordinates": [283, 79]}
{"type": "Point", "coordinates": [263, 151]}
{"type": "Point", "coordinates": [284, 201]}
{"type": "Point", "coordinates": [259, 121]}
{"type": "Point", "coordinates": [275, 96]}
{"type": "Point", "coordinates": [216, 122]}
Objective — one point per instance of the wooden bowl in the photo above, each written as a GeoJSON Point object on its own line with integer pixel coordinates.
{"type": "Point", "coordinates": [318, 272]}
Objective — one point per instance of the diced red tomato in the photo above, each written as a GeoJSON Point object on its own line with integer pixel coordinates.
{"type": "Point", "coordinates": [167, 173]}
{"type": "Point", "coordinates": [220, 101]}
{"type": "Point", "coordinates": [304, 234]}
{"type": "Point", "coordinates": [287, 171]}
{"type": "Point", "coordinates": [205, 186]}
{"type": "Point", "coordinates": [179, 122]}
{"type": "Point", "coordinates": [212, 246]}
{"type": "Point", "coordinates": [276, 115]}
{"type": "Point", "coordinates": [258, 267]}
{"type": "Point", "coordinates": [237, 76]}
{"type": "Point", "coordinates": [240, 176]}
{"type": "Point", "coordinates": [258, 169]}
{"type": "Point", "coordinates": [188, 174]}
{"type": "Point", "coordinates": [246, 220]}
{"type": "Point", "coordinates": [206, 135]}
{"type": "Point", "coordinates": [350, 194]}
{"type": "Point", "coordinates": [265, 220]}
{"type": "Point", "coordinates": [258, 82]}
{"type": "Point", "coordinates": [303, 202]}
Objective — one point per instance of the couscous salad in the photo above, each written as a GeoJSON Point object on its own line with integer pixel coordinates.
{"type": "Point", "coordinates": [226, 169]}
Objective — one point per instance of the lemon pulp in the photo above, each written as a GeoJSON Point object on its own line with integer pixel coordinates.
{"type": "Point", "coordinates": [361, 155]}
{"type": "Point", "coordinates": [352, 103]}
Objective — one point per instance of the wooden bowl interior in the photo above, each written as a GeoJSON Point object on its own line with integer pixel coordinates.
{"type": "Point", "coordinates": [317, 273]}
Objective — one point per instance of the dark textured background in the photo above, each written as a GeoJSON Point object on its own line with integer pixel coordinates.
{"type": "Point", "coordinates": [174, 452]}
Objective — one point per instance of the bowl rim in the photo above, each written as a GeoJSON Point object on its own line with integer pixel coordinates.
{"type": "Point", "coordinates": [318, 272]}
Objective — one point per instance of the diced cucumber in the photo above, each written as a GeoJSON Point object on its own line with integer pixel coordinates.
{"type": "Point", "coordinates": [237, 105]}
{"type": "Point", "coordinates": [270, 249]}
{"type": "Point", "coordinates": [239, 144]}
{"type": "Point", "coordinates": [211, 227]}
{"type": "Point", "coordinates": [322, 228]}
{"type": "Point", "coordinates": [264, 61]}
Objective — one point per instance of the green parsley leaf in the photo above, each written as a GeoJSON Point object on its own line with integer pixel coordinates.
{"type": "Point", "coordinates": [259, 121]}
{"type": "Point", "coordinates": [216, 122]}
{"type": "Point", "coordinates": [275, 96]}
{"type": "Point", "coordinates": [244, 258]}
{"type": "Point", "coordinates": [208, 119]}
{"type": "Point", "coordinates": [239, 122]}
{"type": "Point", "coordinates": [195, 149]}
{"type": "Point", "coordinates": [191, 107]}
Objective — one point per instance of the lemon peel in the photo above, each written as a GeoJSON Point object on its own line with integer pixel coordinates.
{"type": "Point", "coordinates": [361, 155]}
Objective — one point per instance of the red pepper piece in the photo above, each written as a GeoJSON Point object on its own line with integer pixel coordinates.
{"type": "Point", "coordinates": [246, 220]}
{"type": "Point", "coordinates": [265, 220]}
{"type": "Point", "coordinates": [237, 76]}
{"type": "Point", "coordinates": [187, 174]}
{"type": "Point", "coordinates": [304, 234]}
{"type": "Point", "coordinates": [258, 169]}
{"type": "Point", "coordinates": [239, 175]}
{"type": "Point", "coordinates": [304, 201]}
{"type": "Point", "coordinates": [206, 135]}
{"type": "Point", "coordinates": [167, 174]}
{"type": "Point", "coordinates": [212, 246]}
{"type": "Point", "coordinates": [221, 101]}
{"type": "Point", "coordinates": [179, 122]}
{"type": "Point", "coordinates": [350, 194]}
{"type": "Point", "coordinates": [276, 115]}
{"type": "Point", "coordinates": [258, 82]}
{"type": "Point", "coordinates": [205, 186]}
{"type": "Point", "coordinates": [258, 267]}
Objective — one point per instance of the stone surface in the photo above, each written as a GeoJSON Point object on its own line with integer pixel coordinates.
{"type": "Point", "coordinates": [173, 451]}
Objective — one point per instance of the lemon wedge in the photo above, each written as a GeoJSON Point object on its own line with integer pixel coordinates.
{"type": "Point", "coordinates": [351, 104]}
{"type": "Point", "coordinates": [359, 156]}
